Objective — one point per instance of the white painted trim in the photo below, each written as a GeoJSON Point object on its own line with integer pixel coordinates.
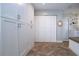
{"type": "Point", "coordinates": [27, 51]}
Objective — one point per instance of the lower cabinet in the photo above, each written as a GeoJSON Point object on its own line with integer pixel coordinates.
{"type": "Point", "coordinates": [74, 46]}
{"type": "Point", "coordinates": [21, 38]}
{"type": "Point", "coordinates": [16, 38]}
{"type": "Point", "coordinates": [0, 38]}
{"type": "Point", "coordinates": [9, 38]}
{"type": "Point", "coordinates": [24, 38]}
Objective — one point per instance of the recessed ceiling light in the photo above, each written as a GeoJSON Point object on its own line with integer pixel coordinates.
{"type": "Point", "coordinates": [43, 3]}
{"type": "Point", "coordinates": [20, 3]}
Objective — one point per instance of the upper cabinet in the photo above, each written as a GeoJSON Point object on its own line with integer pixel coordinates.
{"type": "Point", "coordinates": [0, 9]}
{"type": "Point", "coordinates": [25, 13]}
{"type": "Point", "coordinates": [15, 11]}
{"type": "Point", "coordinates": [0, 20]}
{"type": "Point", "coordinates": [22, 13]}
{"type": "Point", "coordinates": [9, 10]}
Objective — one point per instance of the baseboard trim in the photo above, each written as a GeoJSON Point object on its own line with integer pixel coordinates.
{"type": "Point", "coordinates": [26, 52]}
{"type": "Point", "coordinates": [59, 41]}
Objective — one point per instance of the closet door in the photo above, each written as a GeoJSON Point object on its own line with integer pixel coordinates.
{"type": "Point", "coordinates": [53, 28]}
{"type": "Point", "coordinates": [45, 28]}
{"type": "Point", "coordinates": [9, 37]}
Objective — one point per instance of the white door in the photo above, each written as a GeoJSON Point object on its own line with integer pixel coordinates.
{"type": "Point", "coordinates": [53, 28]}
{"type": "Point", "coordinates": [46, 28]}
{"type": "Point", "coordinates": [9, 36]}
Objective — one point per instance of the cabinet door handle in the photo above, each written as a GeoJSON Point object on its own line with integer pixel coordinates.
{"type": "Point", "coordinates": [19, 25]}
{"type": "Point", "coordinates": [18, 17]}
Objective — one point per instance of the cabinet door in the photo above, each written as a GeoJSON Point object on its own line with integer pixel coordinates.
{"type": "Point", "coordinates": [30, 12]}
{"type": "Point", "coordinates": [0, 9]}
{"type": "Point", "coordinates": [25, 39]}
{"type": "Point", "coordinates": [30, 37]}
{"type": "Point", "coordinates": [22, 13]}
{"type": "Point", "coordinates": [25, 13]}
{"type": "Point", "coordinates": [9, 10]}
{"type": "Point", "coordinates": [9, 38]}
{"type": "Point", "coordinates": [0, 39]}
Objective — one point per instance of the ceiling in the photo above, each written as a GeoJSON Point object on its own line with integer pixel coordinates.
{"type": "Point", "coordinates": [54, 6]}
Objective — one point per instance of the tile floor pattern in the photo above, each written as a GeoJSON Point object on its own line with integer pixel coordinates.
{"type": "Point", "coordinates": [51, 49]}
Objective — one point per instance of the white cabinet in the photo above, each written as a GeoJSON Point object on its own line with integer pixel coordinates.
{"type": "Point", "coordinates": [0, 9]}
{"type": "Point", "coordinates": [22, 13]}
{"type": "Point", "coordinates": [74, 46]}
{"type": "Point", "coordinates": [23, 38]}
{"type": "Point", "coordinates": [9, 41]}
{"type": "Point", "coordinates": [26, 13]}
{"type": "Point", "coordinates": [9, 10]}
{"type": "Point", "coordinates": [0, 32]}
{"type": "Point", "coordinates": [30, 37]}
{"type": "Point", "coordinates": [16, 34]}
{"type": "Point", "coordinates": [0, 38]}
{"type": "Point", "coordinates": [25, 31]}
{"type": "Point", "coordinates": [9, 37]}
{"type": "Point", "coordinates": [30, 12]}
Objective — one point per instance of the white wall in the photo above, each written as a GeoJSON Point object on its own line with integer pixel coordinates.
{"type": "Point", "coordinates": [73, 29]}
